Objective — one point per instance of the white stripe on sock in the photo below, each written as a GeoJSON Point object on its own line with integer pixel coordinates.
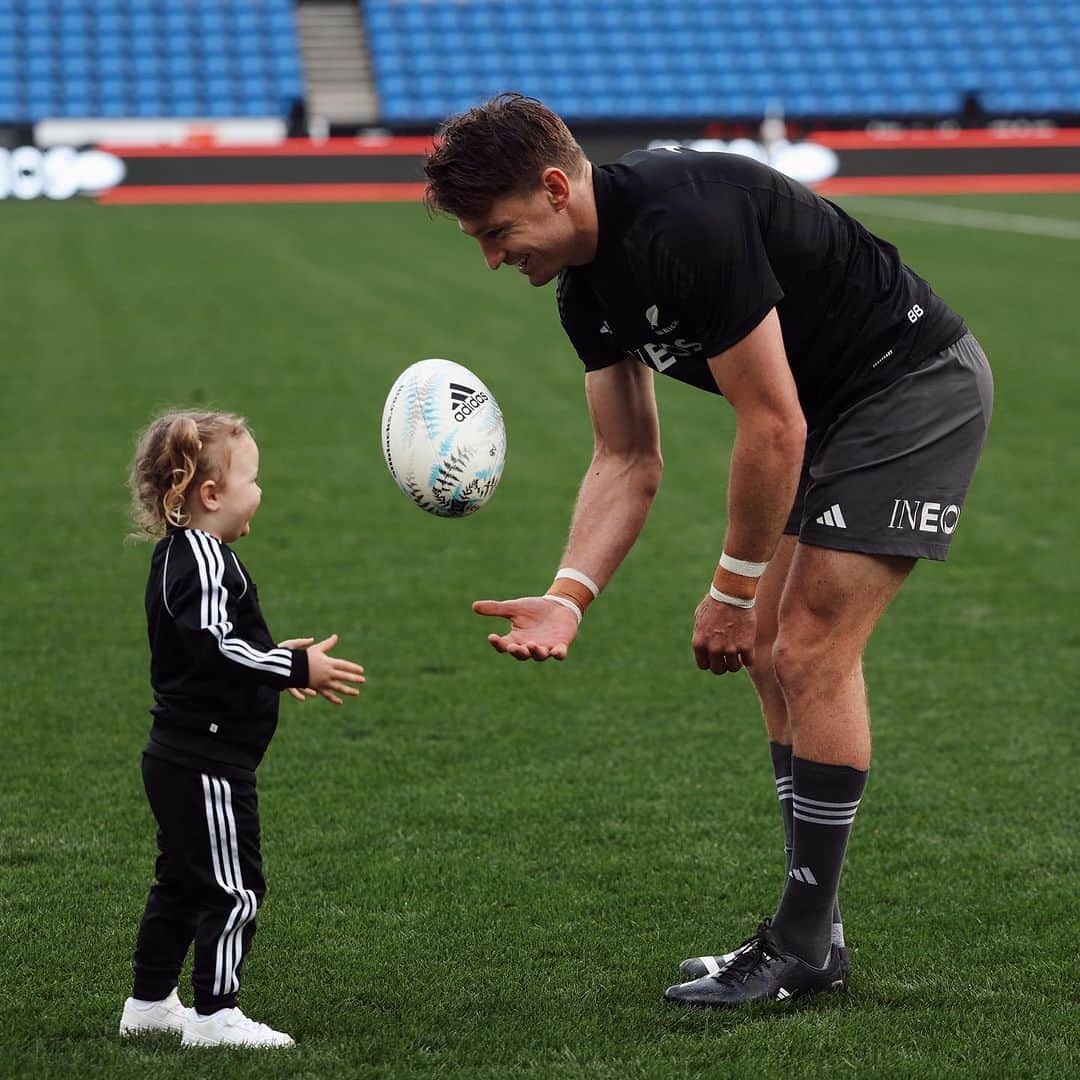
{"type": "Point", "coordinates": [822, 820]}
{"type": "Point", "coordinates": [828, 805]}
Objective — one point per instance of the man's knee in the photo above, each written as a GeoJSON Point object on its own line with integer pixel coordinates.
{"type": "Point", "coordinates": [807, 659]}
{"type": "Point", "coordinates": [762, 673]}
{"type": "Point", "coordinates": [792, 664]}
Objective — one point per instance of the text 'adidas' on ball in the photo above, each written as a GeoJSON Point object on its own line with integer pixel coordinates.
{"type": "Point", "coordinates": [443, 438]}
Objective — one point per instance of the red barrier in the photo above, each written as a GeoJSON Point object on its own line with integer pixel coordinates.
{"type": "Point", "coordinates": [149, 194]}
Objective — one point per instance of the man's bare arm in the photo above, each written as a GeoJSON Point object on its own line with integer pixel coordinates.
{"type": "Point", "coordinates": [770, 440]}
{"type": "Point", "coordinates": [624, 475]}
{"type": "Point", "coordinates": [613, 503]}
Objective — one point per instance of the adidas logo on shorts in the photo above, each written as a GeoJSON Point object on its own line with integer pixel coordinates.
{"type": "Point", "coordinates": [833, 516]}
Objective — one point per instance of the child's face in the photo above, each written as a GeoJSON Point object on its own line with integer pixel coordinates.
{"type": "Point", "coordinates": [238, 493]}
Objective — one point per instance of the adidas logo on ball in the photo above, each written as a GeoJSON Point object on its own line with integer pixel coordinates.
{"type": "Point", "coordinates": [464, 399]}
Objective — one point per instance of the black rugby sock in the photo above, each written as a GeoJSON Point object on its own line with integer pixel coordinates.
{"type": "Point", "coordinates": [781, 760]}
{"type": "Point", "coordinates": [823, 805]}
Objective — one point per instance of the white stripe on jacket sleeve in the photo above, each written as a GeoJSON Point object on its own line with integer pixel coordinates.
{"type": "Point", "coordinates": [213, 612]}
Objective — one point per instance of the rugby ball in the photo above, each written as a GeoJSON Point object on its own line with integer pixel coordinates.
{"type": "Point", "coordinates": [443, 438]}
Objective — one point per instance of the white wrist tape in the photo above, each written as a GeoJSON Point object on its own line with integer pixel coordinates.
{"type": "Point", "coordinates": [566, 603]}
{"type": "Point", "coordinates": [578, 576]}
{"type": "Point", "coordinates": [742, 567]}
{"type": "Point", "coordinates": [734, 601]}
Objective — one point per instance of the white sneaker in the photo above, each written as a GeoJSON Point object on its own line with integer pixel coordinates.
{"type": "Point", "coordinates": [142, 1016]}
{"type": "Point", "coordinates": [230, 1027]}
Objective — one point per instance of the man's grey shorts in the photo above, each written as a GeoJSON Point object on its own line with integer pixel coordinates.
{"type": "Point", "coordinates": [888, 476]}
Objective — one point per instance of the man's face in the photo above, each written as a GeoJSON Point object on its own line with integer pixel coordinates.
{"type": "Point", "coordinates": [532, 232]}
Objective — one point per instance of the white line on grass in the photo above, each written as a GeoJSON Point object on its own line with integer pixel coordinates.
{"type": "Point", "coordinates": [966, 217]}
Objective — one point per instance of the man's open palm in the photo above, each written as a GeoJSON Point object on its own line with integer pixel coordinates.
{"type": "Point", "coordinates": [539, 629]}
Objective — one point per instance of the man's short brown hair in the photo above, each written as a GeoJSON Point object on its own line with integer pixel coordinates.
{"type": "Point", "coordinates": [499, 148]}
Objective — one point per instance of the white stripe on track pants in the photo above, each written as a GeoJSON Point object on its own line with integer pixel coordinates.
{"type": "Point", "coordinates": [209, 883]}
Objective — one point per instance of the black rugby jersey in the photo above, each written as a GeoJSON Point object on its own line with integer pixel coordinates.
{"type": "Point", "coordinates": [216, 672]}
{"type": "Point", "coordinates": [695, 248]}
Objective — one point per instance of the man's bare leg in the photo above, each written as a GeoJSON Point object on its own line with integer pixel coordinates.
{"type": "Point", "coordinates": [831, 602]}
{"type": "Point", "coordinates": [830, 606]}
{"type": "Point", "coordinates": [767, 606]}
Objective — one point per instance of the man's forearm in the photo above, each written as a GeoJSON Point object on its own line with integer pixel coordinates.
{"type": "Point", "coordinates": [613, 503]}
{"type": "Point", "coordinates": [766, 460]}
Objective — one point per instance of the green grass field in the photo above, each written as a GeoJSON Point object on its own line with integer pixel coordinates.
{"type": "Point", "coordinates": [491, 869]}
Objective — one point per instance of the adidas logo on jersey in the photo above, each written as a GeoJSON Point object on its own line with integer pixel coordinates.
{"type": "Point", "coordinates": [833, 517]}
{"type": "Point", "coordinates": [463, 399]}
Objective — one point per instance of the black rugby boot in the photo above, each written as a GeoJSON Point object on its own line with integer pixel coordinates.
{"type": "Point", "coordinates": [762, 972]}
{"type": "Point", "coordinates": [696, 967]}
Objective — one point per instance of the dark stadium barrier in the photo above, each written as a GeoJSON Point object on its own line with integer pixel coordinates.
{"type": "Point", "coordinates": [391, 168]}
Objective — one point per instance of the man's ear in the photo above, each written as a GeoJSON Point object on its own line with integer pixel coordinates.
{"type": "Point", "coordinates": [557, 186]}
{"type": "Point", "coordinates": [208, 495]}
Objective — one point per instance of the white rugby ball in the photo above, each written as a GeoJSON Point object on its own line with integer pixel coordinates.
{"type": "Point", "coordinates": [443, 438]}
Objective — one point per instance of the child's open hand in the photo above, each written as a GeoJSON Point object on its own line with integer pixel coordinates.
{"type": "Point", "coordinates": [300, 693]}
{"type": "Point", "coordinates": [329, 675]}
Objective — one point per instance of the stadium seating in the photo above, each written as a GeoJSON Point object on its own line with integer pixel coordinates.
{"type": "Point", "coordinates": [147, 58]}
{"type": "Point", "coordinates": [599, 60]}
{"type": "Point", "coordinates": [624, 59]}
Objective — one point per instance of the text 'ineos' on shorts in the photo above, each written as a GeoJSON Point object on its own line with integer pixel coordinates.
{"type": "Point", "coordinates": [888, 476]}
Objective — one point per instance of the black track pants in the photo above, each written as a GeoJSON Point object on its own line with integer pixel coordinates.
{"type": "Point", "coordinates": [209, 884]}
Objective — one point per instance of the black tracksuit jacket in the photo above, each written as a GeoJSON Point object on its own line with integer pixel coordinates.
{"type": "Point", "coordinates": [216, 672]}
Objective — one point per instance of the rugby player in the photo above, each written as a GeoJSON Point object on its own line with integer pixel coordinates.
{"type": "Point", "coordinates": [861, 407]}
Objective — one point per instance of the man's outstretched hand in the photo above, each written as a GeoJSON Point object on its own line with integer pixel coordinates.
{"type": "Point", "coordinates": [539, 629]}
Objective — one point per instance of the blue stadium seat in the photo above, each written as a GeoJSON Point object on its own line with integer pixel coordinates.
{"type": "Point", "coordinates": [73, 22]}
{"type": "Point", "coordinates": [255, 87]}
{"type": "Point", "coordinates": [37, 22]}
{"type": "Point", "coordinates": [222, 105]}
{"type": "Point", "coordinates": [176, 17]}
{"type": "Point", "coordinates": [146, 64]}
{"type": "Point", "coordinates": [38, 46]}
{"type": "Point", "coordinates": [217, 66]}
{"type": "Point", "coordinates": [182, 87]}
